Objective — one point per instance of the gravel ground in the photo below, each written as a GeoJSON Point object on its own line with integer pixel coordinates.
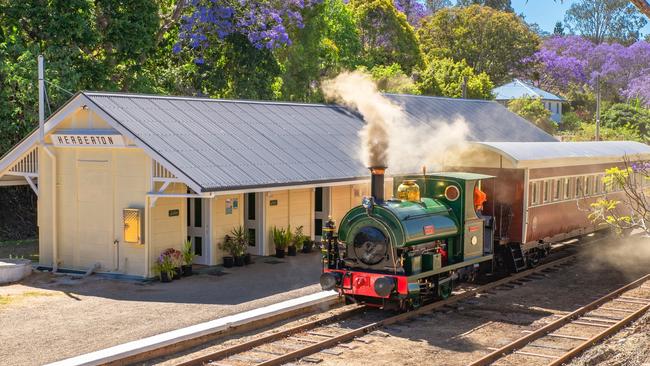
{"type": "Point", "coordinates": [460, 335]}
{"type": "Point", "coordinates": [47, 318]}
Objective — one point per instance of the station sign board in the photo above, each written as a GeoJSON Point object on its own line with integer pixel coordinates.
{"type": "Point", "coordinates": [102, 138]}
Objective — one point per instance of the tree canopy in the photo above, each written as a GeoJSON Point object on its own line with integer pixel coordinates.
{"type": "Point", "coordinates": [489, 40]}
{"type": "Point", "coordinates": [601, 20]}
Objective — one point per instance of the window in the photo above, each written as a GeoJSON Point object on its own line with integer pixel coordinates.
{"type": "Point", "coordinates": [597, 184]}
{"type": "Point", "coordinates": [589, 185]}
{"type": "Point", "coordinates": [579, 190]}
{"type": "Point", "coordinates": [534, 193]}
{"type": "Point", "coordinates": [557, 190]}
{"type": "Point", "coordinates": [250, 202]}
{"type": "Point", "coordinates": [318, 227]}
{"type": "Point", "coordinates": [567, 188]}
{"type": "Point", "coordinates": [318, 204]}
{"type": "Point", "coordinates": [547, 190]}
{"type": "Point", "coordinates": [198, 211]}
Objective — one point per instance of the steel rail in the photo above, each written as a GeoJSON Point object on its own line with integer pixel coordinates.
{"type": "Point", "coordinates": [597, 338]}
{"type": "Point", "coordinates": [246, 346]}
{"type": "Point", "coordinates": [569, 318]}
{"type": "Point", "coordinates": [328, 343]}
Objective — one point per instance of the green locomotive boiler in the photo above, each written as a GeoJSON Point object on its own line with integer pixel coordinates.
{"type": "Point", "coordinates": [401, 251]}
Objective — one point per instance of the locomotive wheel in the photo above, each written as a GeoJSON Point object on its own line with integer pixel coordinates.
{"type": "Point", "coordinates": [533, 259]}
{"type": "Point", "coordinates": [445, 290]}
{"type": "Point", "coordinates": [349, 300]}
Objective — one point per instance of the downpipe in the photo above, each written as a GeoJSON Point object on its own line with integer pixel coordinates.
{"type": "Point", "coordinates": [55, 244]}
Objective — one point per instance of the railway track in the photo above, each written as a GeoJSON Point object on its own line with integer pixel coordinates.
{"type": "Point", "coordinates": [307, 339]}
{"type": "Point", "coordinates": [560, 341]}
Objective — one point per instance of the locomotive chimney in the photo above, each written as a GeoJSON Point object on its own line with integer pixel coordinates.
{"type": "Point", "coordinates": [377, 183]}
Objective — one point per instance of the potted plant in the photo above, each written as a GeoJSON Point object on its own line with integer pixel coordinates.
{"type": "Point", "coordinates": [308, 245]}
{"type": "Point", "coordinates": [176, 258]}
{"type": "Point", "coordinates": [280, 241]}
{"type": "Point", "coordinates": [228, 246]}
{"type": "Point", "coordinates": [298, 240]}
{"type": "Point", "coordinates": [188, 258]}
{"type": "Point", "coordinates": [164, 268]}
{"type": "Point", "coordinates": [240, 239]}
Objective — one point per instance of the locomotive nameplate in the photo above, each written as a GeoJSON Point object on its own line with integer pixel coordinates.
{"type": "Point", "coordinates": [429, 230]}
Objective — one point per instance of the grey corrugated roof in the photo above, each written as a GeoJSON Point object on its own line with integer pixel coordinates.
{"type": "Point", "coordinates": [232, 144]}
{"type": "Point", "coordinates": [521, 152]}
{"type": "Point", "coordinates": [487, 120]}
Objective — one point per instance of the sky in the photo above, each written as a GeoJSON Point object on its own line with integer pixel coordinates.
{"type": "Point", "coordinates": [547, 12]}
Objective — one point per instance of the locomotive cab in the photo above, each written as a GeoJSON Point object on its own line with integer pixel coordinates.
{"type": "Point", "coordinates": [410, 247]}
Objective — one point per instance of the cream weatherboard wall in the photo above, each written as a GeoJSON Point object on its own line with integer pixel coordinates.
{"type": "Point", "coordinates": [223, 222]}
{"type": "Point", "coordinates": [93, 186]}
{"type": "Point", "coordinates": [165, 230]}
{"type": "Point", "coordinates": [290, 208]}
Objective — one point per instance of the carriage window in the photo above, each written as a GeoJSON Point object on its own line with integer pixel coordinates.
{"type": "Point", "coordinates": [578, 190]}
{"type": "Point", "coordinates": [597, 184]}
{"type": "Point", "coordinates": [557, 190]}
{"type": "Point", "coordinates": [546, 191]}
{"type": "Point", "coordinates": [588, 185]}
{"type": "Point", "coordinates": [567, 188]}
{"type": "Point", "coordinates": [534, 194]}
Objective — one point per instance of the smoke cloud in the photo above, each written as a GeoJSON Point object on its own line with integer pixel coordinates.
{"type": "Point", "coordinates": [389, 139]}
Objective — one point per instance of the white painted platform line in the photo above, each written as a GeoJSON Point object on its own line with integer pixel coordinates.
{"type": "Point", "coordinates": [198, 330]}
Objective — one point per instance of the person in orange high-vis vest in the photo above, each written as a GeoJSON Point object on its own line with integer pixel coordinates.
{"type": "Point", "coordinates": [479, 198]}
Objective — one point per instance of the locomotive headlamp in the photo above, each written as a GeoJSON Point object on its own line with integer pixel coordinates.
{"type": "Point", "coordinates": [384, 286]}
{"type": "Point", "coordinates": [328, 281]}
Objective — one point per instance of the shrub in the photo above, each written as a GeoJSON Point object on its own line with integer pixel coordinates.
{"type": "Point", "coordinates": [534, 111]}
{"type": "Point", "coordinates": [570, 122]}
{"type": "Point", "coordinates": [627, 116]}
{"type": "Point", "coordinates": [444, 77]}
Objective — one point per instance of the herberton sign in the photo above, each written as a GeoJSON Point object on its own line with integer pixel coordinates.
{"type": "Point", "coordinates": [88, 138]}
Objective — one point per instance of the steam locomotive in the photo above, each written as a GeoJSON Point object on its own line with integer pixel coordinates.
{"type": "Point", "coordinates": [401, 252]}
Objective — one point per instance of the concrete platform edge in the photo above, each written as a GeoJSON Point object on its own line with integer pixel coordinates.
{"type": "Point", "coordinates": [164, 339]}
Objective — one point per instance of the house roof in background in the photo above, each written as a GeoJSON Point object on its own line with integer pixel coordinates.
{"type": "Point", "coordinates": [520, 89]}
{"type": "Point", "coordinates": [487, 120]}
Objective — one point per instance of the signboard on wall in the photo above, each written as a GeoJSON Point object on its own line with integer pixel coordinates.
{"type": "Point", "coordinates": [88, 138]}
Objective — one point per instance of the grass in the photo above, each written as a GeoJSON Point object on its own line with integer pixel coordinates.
{"type": "Point", "coordinates": [27, 249]}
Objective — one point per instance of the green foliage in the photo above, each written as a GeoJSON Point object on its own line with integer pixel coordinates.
{"type": "Point", "coordinates": [386, 35]}
{"type": "Point", "coordinates": [627, 116]}
{"type": "Point", "coordinates": [282, 237]}
{"type": "Point", "coordinates": [587, 132]}
{"type": "Point", "coordinates": [534, 111]}
{"type": "Point", "coordinates": [236, 242]}
{"type": "Point", "coordinates": [328, 43]}
{"type": "Point", "coordinates": [570, 121]}
{"type": "Point", "coordinates": [489, 40]}
{"type": "Point", "coordinates": [164, 264]}
{"type": "Point", "coordinates": [391, 79]}
{"type": "Point", "coordinates": [444, 77]}
{"type": "Point", "coordinates": [188, 255]}
{"type": "Point", "coordinates": [299, 239]}
{"type": "Point", "coordinates": [503, 5]}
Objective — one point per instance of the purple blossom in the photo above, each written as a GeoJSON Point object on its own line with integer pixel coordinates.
{"type": "Point", "coordinates": [575, 60]}
{"type": "Point", "coordinates": [264, 23]}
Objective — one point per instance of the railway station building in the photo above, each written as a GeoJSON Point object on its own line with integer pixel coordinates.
{"type": "Point", "coordinates": [121, 177]}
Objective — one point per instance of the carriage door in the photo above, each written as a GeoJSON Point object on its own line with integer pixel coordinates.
{"type": "Point", "coordinates": [253, 215]}
{"type": "Point", "coordinates": [321, 210]}
{"type": "Point", "coordinates": [197, 222]}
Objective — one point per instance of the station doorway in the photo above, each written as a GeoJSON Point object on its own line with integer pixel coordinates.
{"type": "Point", "coordinates": [254, 222]}
{"type": "Point", "coordinates": [197, 222]}
{"type": "Point", "coordinates": [321, 210]}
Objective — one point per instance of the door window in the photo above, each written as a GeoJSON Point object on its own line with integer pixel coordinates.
{"type": "Point", "coordinates": [318, 202]}
{"type": "Point", "coordinates": [198, 246]}
{"type": "Point", "coordinates": [251, 206]}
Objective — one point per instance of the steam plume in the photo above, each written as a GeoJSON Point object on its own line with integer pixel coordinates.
{"type": "Point", "coordinates": [389, 139]}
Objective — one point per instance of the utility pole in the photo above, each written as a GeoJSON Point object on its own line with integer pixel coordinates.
{"type": "Point", "coordinates": [598, 108]}
{"type": "Point", "coordinates": [41, 99]}
{"type": "Point", "coordinates": [464, 87]}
